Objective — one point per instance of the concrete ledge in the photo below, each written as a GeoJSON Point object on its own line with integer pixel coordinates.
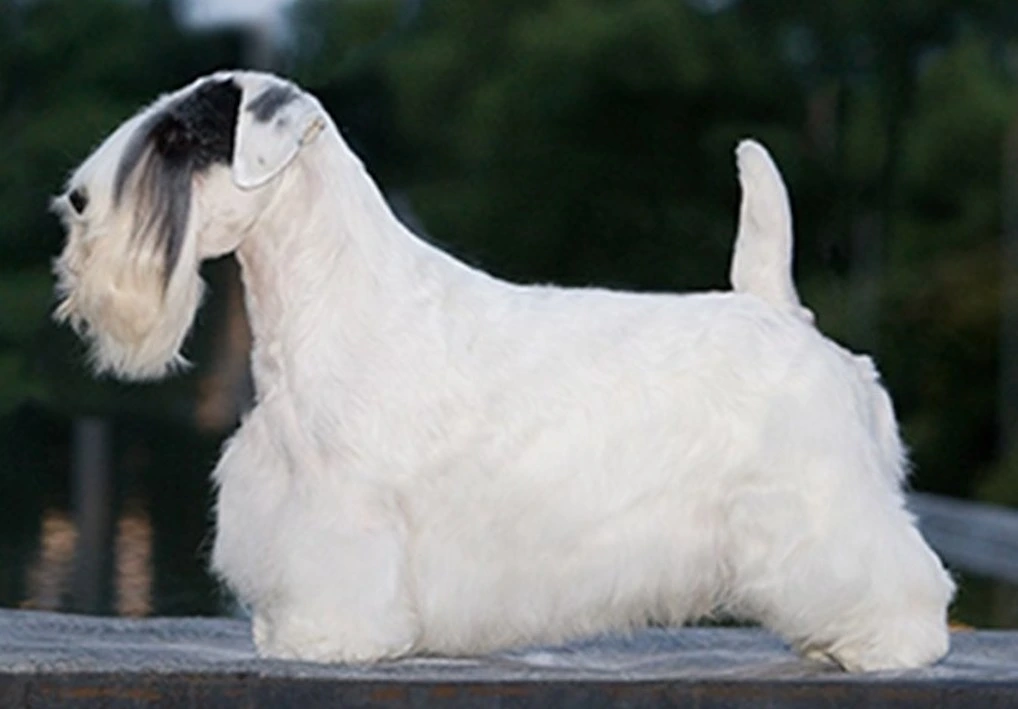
{"type": "Point", "coordinates": [56, 660]}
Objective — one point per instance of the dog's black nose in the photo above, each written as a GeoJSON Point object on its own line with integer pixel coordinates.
{"type": "Point", "coordinates": [78, 199]}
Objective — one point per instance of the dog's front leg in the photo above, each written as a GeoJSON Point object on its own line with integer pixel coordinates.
{"type": "Point", "coordinates": [321, 560]}
{"type": "Point", "coordinates": [344, 592]}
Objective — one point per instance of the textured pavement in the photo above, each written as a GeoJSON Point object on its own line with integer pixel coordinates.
{"type": "Point", "coordinates": [49, 659]}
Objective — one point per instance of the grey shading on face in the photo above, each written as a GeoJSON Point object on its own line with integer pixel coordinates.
{"type": "Point", "coordinates": [267, 104]}
{"type": "Point", "coordinates": [182, 139]}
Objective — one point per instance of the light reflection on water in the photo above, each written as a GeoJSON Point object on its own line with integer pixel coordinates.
{"type": "Point", "coordinates": [133, 562]}
{"type": "Point", "coordinates": [48, 578]}
{"type": "Point", "coordinates": [130, 540]}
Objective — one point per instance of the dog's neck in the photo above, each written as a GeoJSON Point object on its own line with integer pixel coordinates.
{"type": "Point", "coordinates": [340, 269]}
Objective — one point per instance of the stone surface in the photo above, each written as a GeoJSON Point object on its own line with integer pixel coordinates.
{"type": "Point", "coordinates": [58, 660]}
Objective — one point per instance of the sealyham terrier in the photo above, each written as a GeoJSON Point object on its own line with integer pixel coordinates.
{"type": "Point", "coordinates": [439, 461]}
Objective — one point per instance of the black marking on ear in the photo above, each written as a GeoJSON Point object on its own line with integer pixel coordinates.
{"type": "Point", "coordinates": [170, 147]}
{"type": "Point", "coordinates": [266, 105]}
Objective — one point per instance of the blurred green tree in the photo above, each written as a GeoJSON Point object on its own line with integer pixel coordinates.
{"type": "Point", "coordinates": [69, 73]}
{"type": "Point", "coordinates": [589, 141]}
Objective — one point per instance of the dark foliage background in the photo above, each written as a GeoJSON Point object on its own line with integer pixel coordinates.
{"type": "Point", "coordinates": [573, 141]}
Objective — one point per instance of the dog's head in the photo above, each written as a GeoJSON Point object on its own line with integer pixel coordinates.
{"type": "Point", "coordinates": [185, 179]}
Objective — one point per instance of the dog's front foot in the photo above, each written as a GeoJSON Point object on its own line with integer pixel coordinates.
{"type": "Point", "coordinates": [294, 637]}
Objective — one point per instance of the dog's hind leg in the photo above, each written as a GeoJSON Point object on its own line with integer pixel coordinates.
{"type": "Point", "coordinates": [839, 571]}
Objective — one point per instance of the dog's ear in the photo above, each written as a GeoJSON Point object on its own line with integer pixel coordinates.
{"type": "Point", "coordinates": [275, 120]}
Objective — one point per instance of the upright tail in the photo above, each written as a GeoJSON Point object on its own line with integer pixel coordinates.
{"type": "Point", "coordinates": [762, 262]}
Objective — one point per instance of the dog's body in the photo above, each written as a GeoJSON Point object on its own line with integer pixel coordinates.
{"type": "Point", "coordinates": [440, 461]}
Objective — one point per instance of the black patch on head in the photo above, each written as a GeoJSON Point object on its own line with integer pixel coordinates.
{"type": "Point", "coordinates": [170, 146]}
{"type": "Point", "coordinates": [266, 105]}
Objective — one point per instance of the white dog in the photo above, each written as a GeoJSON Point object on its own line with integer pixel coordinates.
{"type": "Point", "coordinates": [443, 462]}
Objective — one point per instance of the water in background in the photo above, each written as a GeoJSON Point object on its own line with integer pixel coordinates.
{"type": "Point", "coordinates": [139, 546]}
{"type": "Point", "coordinates": [145, 549]}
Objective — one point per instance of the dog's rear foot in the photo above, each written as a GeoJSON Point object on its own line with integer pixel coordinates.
{"type": "Point", "coordinates": [899, 645]}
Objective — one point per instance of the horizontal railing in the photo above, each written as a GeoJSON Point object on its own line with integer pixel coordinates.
{"type": "Point", "coordinates": [970, 536]}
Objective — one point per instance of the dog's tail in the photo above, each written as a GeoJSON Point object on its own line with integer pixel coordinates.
{"type": "Point", "coordinates": [762, 262]}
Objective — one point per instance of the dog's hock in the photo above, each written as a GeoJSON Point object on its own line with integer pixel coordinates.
{"type": "Point", "coordinates": [762, 262]}
{"type": "Point", "coordinates": [275, 121]}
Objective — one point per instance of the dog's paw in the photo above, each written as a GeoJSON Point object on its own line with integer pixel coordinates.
{"type": "Point", "coordinates": [327, 642]}
{"type": "Point", "coordinates": [883, 659]}
{"type": "Point", "coordinates": [901, 645]}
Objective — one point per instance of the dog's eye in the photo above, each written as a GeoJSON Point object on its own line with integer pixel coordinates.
{"type": "Point", "coordinates": [78, 199]}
